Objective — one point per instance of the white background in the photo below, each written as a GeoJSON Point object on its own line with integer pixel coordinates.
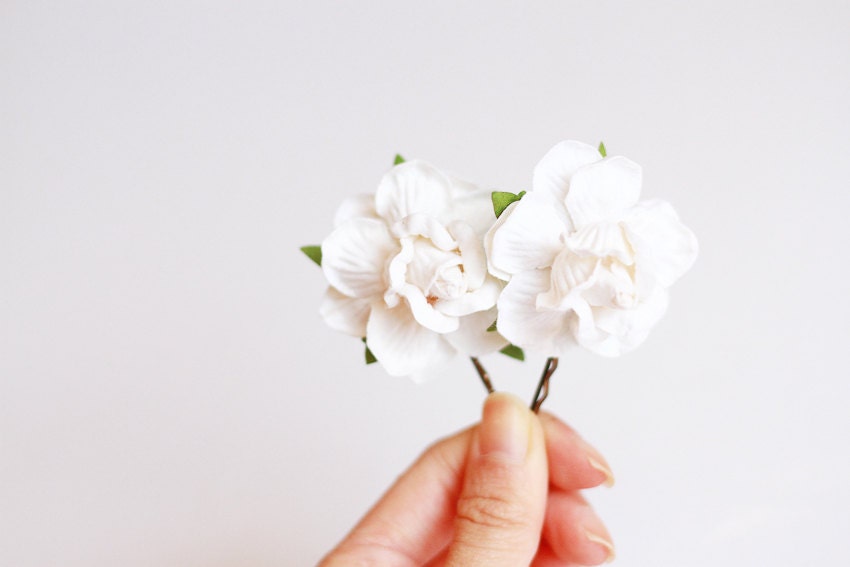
{"type": "Point", "coordinates": [168, 393]}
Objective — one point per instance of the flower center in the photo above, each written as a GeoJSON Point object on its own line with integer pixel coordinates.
{"type": "Point", "coordinates": [598, 282]}
{"type": "Point", "coordinates": [437, 273]}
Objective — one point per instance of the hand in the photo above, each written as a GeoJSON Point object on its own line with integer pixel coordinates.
{"type": "Point", "coordinates": [502, 493]}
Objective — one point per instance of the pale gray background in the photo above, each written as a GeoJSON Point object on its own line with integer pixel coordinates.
{"type": "Point", "coordinates": [168, 393]}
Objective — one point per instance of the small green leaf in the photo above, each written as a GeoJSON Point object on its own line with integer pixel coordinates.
{"type": "Point", "coordinates": [501, 200]}
{"type": "Point", "coordinates": [314, 253]}
{"type": "Point", "coordinates": [602, 149]}
{"type": "Point", "coordinates": [370, 358]}
{"type": "Point", "coordinates": [514, 352]}
{"type": "Point", "coordinates": [492, 328]}
{"type": "Point", "coordinates": [398, 159]}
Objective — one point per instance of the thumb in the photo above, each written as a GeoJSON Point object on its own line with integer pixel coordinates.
{"type": "Point", "coordinates": [503, 499]}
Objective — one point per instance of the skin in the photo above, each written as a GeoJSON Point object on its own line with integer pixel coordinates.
{"type": "Point", "coordinates": [504, 492]}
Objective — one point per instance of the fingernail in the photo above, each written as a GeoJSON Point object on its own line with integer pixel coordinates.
{"type": "Point", "coordinates": [609, 547]}
{"type": "Point", "coordinates": [505, 427]}
{"type": "Point", "coordinates": [602, 467]}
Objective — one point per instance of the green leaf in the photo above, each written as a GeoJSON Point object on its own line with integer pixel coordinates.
{"type": "Point", "coordinates": [398, 159]}
{"type": "Point", "coordinates": [492, 328]}
{"type": "Point", "coordinates": [602, 149]}
{"type": "Point", "coordinates": [370, 358]}
{"type": "Point", "coordinates": [314, 253]}
{"type": "Point", "coordinates": [514, 352]}
{"type": "Point", "coordinates": [501, 200]}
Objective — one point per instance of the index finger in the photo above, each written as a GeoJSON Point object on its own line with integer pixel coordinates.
{"type": "Point", "coordinates": [574, 464]}
{"type": "Point", "coordinates": [413, 521]}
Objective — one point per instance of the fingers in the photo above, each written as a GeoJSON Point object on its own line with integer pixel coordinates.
{"type": "Point", "coordinates": [413, 521]}
{"type": "Point", "coordinates": [547, 558]}
{"type": "Point", "coordinates": [573, 463]}
{"type": "Point", "coordinates": [573, 532]}
{"type": "Point", "coordinates": [572, 535]}
{"type": "Point", "coordinates": [502, 502]}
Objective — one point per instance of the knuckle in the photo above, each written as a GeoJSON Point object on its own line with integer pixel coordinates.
{"type": "Point", "coordinates": [490, 511]}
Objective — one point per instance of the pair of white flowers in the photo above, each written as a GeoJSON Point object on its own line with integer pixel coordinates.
{"type": "Point", "coordinates": [423, 267]}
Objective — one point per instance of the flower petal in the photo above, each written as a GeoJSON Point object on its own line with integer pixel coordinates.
{"type": "Point", "coordinates": [569, 277]}
{"type": "Point", "coordinates": [359, 206]}
{"type": "Point", "coordinates": [355, 255]}
{"type": "Point", "coordinates": [397, 271]}
{"type": "Point", "coordinates": [427, 226]}
{"type": "Point", "coordinates": [626, 322]}
{"type": "Point", "coordinates": [612, 287]}
{"type": "Point", "coordinates": [664, 247]}
{"type": "Point", "coordinates": [488, 242]}
{"type": "Point", "coordinates": [600, 240]}
{"type": "Point", "coordinates": [424, 312]}
{"type": "Point", "coordinates": [482, 298]}
{"type": "Point", "coordinates": [553, 173]}
{"type": "Point", "coordinates": [474, 208]}
{"type": "Point", "coordinates": [472, 337]}
{"type": "Point", "coordinates": [603, 190]}
{"type": "Point", "coordinates": [471, 251]}
{"type": "Point", "coordinates": [461, 187]}
{"type": "Point", "coordinates": [401, 345]}
{"type": "Point", "coordinates": [409, 188]}
{"type": "Point", "coordinates": [521, 323]}
{"type": "Point", "coordinates": [345, 314]}
{"type": "Point", "coordinates": [529, 238]}
{"type": "Point", "coordinates": [428, 264]}
{"type": "Point", "coordinates": [613, 332]}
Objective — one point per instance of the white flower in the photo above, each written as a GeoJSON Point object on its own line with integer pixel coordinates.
{"type": "Point", "coordinates": [586, 261]}
{"type": "Point", "coordinates": [407, 270]}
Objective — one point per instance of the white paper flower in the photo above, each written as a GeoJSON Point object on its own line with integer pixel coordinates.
{"type": "Point", "coordinates": [586, 261]}
{"type": "Point", "coordinates": [407, 270]}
